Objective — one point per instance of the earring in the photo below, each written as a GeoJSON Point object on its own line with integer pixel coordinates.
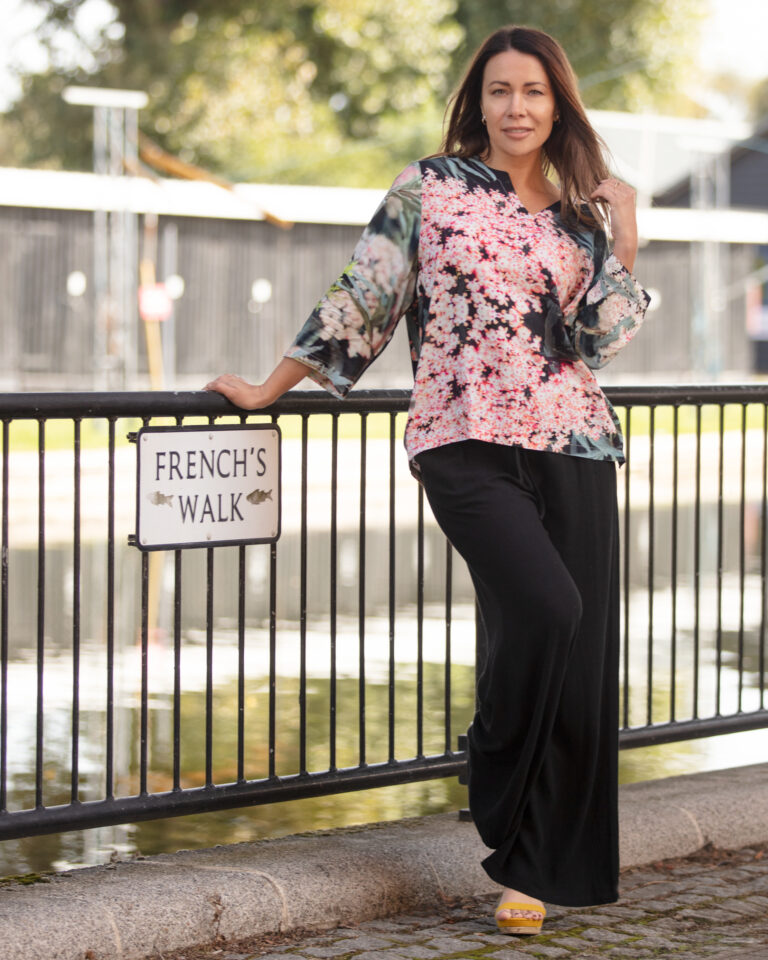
{"type": "Point", "coordinates": [483, 119]}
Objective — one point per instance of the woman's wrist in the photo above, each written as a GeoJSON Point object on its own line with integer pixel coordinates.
{"type": "Point", "coordinates": [625, 252]}
{"type": "Point", "coordinates": [258, 397]}
{"type": "Point", "coordinates": [283, 378]}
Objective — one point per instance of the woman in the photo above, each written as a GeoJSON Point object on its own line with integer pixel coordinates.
{"type": "Point", "coordinates": [512, 298]}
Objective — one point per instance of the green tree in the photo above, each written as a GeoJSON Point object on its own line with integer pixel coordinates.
{"type": "Point", "coordinates": [324, 91]}
{"type": "Point", "coordinates": [629, 54]}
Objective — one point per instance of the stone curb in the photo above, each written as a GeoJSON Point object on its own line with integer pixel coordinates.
{"type": "Point", "coordinates": [129, 910]}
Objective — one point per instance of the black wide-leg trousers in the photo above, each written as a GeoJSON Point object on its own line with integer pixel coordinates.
{"type": "Point", "coordinates": [539, 533]}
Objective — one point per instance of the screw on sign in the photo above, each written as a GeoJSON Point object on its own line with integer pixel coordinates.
{"type": "Point", "coordinates": [154, 302]}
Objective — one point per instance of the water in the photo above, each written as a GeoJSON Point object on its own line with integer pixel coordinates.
{"type": "Point", "coordinates": [93, 846]}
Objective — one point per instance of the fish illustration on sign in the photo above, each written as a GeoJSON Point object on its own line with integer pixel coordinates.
{"type": "Point", "coordinates": [159, 499]}
{"type": "Point", "coordinates": [259, 496]}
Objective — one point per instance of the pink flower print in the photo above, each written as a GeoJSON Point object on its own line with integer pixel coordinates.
{"type": "Point", "coordinates": [341, 320]}
{"type": "Point", "coordinates": [382, 262]}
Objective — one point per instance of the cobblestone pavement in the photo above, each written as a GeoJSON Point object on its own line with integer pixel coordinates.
{"type": "Point", "coordinates": [714, 904]}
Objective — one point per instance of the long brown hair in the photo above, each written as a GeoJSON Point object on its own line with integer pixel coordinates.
{"type": "Point", "coordinates": [574, 150]}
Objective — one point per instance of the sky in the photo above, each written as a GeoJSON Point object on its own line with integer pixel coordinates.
{"type": "Point", "coordinates": [734, 38]}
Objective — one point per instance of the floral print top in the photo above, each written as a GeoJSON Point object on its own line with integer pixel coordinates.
{"type": "Point", "coordinates": [508, 314]}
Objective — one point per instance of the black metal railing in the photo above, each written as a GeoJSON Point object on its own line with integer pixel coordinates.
{"type": "Point", "coordinates": [707, 574]}
{"type": "Point", "coordinates": [137, 686]}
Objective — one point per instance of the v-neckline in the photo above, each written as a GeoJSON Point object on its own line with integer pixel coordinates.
{"type": "Point", "coordinates": [503, 177]}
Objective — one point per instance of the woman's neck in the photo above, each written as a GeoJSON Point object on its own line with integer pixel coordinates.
{"type": "Point", "coordinates": [525, 172]}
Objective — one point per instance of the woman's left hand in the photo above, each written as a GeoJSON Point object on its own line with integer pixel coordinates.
{"type": "Point", "coordinates": [621, 201]}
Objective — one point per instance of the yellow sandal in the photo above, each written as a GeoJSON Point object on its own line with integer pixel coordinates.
{"type": "Point", "coordinates": [526, 925]}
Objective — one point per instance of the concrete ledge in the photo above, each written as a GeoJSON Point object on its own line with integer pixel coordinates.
{"type": "Point", "coordinates": [676, 816]}
{"type": "Point", "coordinates": [132, 909]}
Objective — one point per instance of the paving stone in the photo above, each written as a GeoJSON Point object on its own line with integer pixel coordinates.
{"type": "Point", "coordinates": [379, 955]}
{"type": "Point", "coordinates": [557, 919]}
{"type": "Point", "coordinates": [692, 898]}
{"type": "Point", "coordinates": [416, 952]}
{"type": "Point", "coordinates": [659, 943]}
{"type": "Point", "coordinates": [633, 952]}
{"type": "Point", "coordinates": [715, 890]}
{"type": "Point", "coordinates": [759, 885]}
{"type": "Point", "coordinates": [735, 876]}
{"type": "Point", "coordinates": [366, 942]}
{"type": "Point", "coordinates": [748, 891]}
{"type": "Point", "coordinates": [744, 907]}
{"type": "Point", "coordinates": [447, 945]}
{"type": "Point", "coordinates": [712, 915]}
{"type": "Point", "coordinates": [554, 912]}
{"type": "Point", "coordinates": [638, 876]}
{"type": "Point", "coordinates": [631, 913]}
{"type": "Point", "coordinates": [742, 889]}
{"type": "Point", "coordinates": [709, 949]}
{"type": "Point", "coordinates": [604, 936]}
{"type": "Point", "coordinates": [544, 950]}
{"type": "Point", "coordinates": [405, 936]}
{"type": "Point", "coordinates": [659, 906]}
{"type": "Point", "coordinates": [652, 892]}
{"type": "Point", "coordinates": [560, 928]}
{"type": "Point", "coordinates": [332, 950]}
{"type": "Point", "coordinates": [478, 926]}
{"type": "Point", "coordinates": [384, 926]}
{"type": "Point", "coordinates": [573, 943]}
{"type": "Point", "coordinates": [509, 955]}
{"type": "Point", "coordinates": [757, 954]}
{"type": "Point", "coordinates": [268, 956]}
{"type": "Point", "coordinates": [423, 920]}
{"type": "Point", "coordinates": [590, 920]}
{"type": "Point", "coordinates": [740, 942]}
{"type": "Point", "coordinates": [632, 929]}
{"type": "Point", "coordinates": [700, 952]}
{"type": "Point", "coordinates": [663, 923]}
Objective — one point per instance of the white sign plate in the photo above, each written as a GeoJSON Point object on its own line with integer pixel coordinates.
{"type": "Point", "coordinates": [207, 486]}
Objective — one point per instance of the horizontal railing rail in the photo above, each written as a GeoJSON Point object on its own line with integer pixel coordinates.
{"type": "Point", "coordinates": [342, 657]}
{"type": "Point", "coordinates": [143, 403]}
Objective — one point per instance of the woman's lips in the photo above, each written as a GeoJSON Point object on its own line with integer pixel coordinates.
{"type": "Point", "coordinates": [516, 133]}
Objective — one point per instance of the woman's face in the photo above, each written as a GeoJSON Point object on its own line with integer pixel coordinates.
{"type": "Point", "coordinates": [518, 104]}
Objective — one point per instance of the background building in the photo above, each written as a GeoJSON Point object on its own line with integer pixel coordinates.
{"type": "Point", "coordinates": [246, 267]}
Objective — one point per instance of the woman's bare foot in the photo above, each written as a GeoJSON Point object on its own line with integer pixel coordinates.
{"type": "Point", "coordinates": [508, 895]}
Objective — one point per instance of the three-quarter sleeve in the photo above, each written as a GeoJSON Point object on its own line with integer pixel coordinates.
{"type": "Point", "coordinates": [356, 318]}
{"type": "Point", "coordinates": [611, 310]}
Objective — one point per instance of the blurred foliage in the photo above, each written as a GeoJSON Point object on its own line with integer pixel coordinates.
{"type": "Point", "coordinates": [738, 96]}
{"type": "Point", "coordinates": [321, 91]}
{"type": "Point", "coordinates": [628, 55]}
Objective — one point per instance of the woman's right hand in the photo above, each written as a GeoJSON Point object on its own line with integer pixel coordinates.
{"type": "Point", "coordinates": [249, 396]}
{"type": "Point", "coordinates": [254, 396]}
